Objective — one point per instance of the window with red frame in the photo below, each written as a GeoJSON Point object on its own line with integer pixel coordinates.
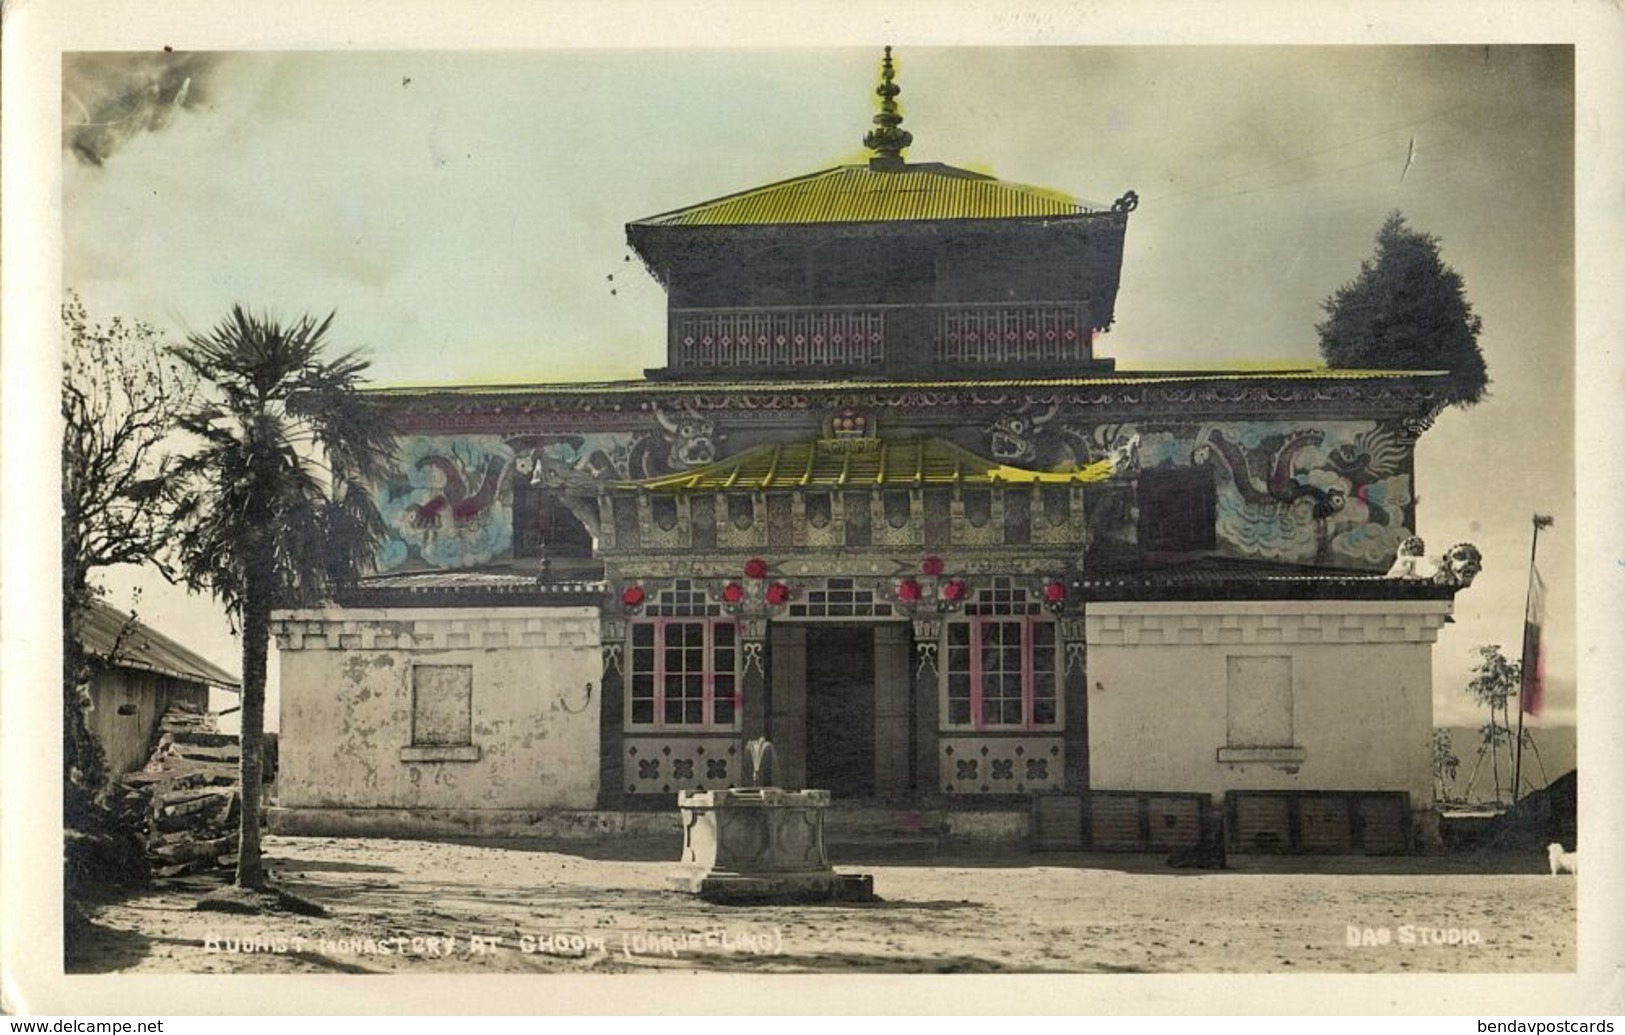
{"type": "Point", "coordinates": [1002, 672]}
{"type": "Point", "coordinates": [684, 674]}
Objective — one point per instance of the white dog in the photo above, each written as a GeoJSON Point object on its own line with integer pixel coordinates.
{"type": "Point", "coordinates": [1563, 862]}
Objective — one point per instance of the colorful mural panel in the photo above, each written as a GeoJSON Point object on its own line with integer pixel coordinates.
{"type": "Point", "coordinates": [448, 504]}
{"type": "Point", "coordinates": [1336, 493]}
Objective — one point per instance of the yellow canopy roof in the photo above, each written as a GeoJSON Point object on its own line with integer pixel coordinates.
{"type": "Point", "coordinates": [861, 464]}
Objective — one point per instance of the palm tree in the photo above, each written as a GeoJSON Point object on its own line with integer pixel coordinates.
{"type": "Point", "coordinates": [273, 506]}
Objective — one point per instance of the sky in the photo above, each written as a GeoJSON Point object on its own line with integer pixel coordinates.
{"type": "Point", "coordinates": [463, 213]}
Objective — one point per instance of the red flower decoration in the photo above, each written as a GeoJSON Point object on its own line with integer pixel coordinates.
{"type": "Point", "coordinates": [755, 568]}
{"type": "Point", "coordinates": [908, 591]}
{"type": "Point", "coordinates": [932, 566]}
{"type": "Point", "coordinates": [632, 596]}
{"type": "Point", "coordinates": [1055, 592]}
{"type": "Point", "coordinates": [778, 593]}
{"type": "Point", "coordinates": [954, 589]}
{"type": "Point", "coordinates": [733, 593]}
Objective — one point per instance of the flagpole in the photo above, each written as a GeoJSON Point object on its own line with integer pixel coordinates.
{"type": "Point", "coordinates": [1528, 596]}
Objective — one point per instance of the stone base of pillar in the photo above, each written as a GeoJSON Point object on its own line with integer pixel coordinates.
{"type": "Point", "coordinates": [760, 844]}
{"type": "Point", "coordinates": [759, 888]}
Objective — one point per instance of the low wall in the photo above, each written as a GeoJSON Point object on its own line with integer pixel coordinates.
{"type": "Point", "coordinates": [1180, 696]}
{"type": "Point", "coordinates": [439, 710]}
{"type": "Point", "coordinates": [554, 824]}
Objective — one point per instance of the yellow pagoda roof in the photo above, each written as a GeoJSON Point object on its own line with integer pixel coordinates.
{"type": "Point", "coordinates": [864, 194]}
{"type": "Point", "coordinates": [861, 464]}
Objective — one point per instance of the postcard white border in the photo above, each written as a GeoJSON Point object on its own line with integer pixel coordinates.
{"type": "Point", "coordinates": [36, 34]}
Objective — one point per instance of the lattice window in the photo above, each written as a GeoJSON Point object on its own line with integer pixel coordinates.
{"type": "Point", "coordinates": [841, 598]}
{"type": "Point", "coordinates": [1002, 673]}
{"type": "Point", "coordinates": [682, 599]}
{"type": "Point", "coordinates": [684, 674]}
{"type": "Point", "coordinates": [1003, 597]}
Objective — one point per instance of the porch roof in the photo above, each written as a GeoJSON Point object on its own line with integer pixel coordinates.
{"type": "Point", "coordinates": [861, 464]}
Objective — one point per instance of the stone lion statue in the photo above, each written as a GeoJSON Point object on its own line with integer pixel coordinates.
{"type": "Point", "coordinates": [1460, 565]}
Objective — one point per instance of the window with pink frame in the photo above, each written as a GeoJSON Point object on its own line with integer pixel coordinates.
{"type": "Point", "coordinates": [684, 674]}
{"type": "Point", "coordinates": [1001, 672]}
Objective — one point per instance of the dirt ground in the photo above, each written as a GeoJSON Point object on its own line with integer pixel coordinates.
{"type": "Point", "coordinates": [524, 907]}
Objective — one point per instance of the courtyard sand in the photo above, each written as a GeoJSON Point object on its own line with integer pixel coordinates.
{"type": "Point", "coordinates": [517, 907]}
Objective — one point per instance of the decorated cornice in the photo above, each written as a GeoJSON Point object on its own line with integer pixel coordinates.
{"type": "Point", "coordinates": [877, 566]}
{"type": "Point", "coordinates": [627, 405]}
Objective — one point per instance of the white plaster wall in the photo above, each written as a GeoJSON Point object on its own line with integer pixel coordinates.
{"type": "Point", "coordinates": [347, 704]}
{"type": "Point", "coordinates": [1362, 694]}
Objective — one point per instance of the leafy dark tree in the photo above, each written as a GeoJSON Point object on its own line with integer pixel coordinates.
{"type": "Point", "coordinates": [1407, 310]}
{"type": "Point", "coordinates": [273, 509]}
{"type": "Point", "coordinates": [121, 398]}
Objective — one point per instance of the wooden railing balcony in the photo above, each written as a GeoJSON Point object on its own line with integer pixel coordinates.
{"type": "Point", "coordinates": [791, 337]}
{"type": "Point", "coordinates": [881, 336]}
{"type": "Point", "coordinates": [1037, 332]}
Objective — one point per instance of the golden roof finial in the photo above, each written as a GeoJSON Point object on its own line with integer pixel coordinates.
{"type": "Point", "coordinates": [887, 140]}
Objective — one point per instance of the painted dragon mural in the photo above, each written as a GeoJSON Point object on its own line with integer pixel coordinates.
{"type": "Point", "coordinates": [1338, 493]}
{"type": "Point", "coordinates": [1031, 439]}
{"type": "Point", "coordinates": [449, 504]}
{"type": "Point", "coordinates": [1335, 494]}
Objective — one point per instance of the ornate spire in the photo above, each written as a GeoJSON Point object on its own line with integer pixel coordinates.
{"type": "Point", "coordinates": [888, 139]}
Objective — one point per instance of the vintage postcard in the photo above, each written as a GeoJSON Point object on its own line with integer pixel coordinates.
{"type": "Point", "coordinates": [599, 497]}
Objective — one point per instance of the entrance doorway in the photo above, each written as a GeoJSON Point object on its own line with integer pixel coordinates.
{"type": "Point", "coordinates": [841, 709]}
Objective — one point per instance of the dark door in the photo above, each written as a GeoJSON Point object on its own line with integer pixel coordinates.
{"type": "Point", "coordinates": [841, 709]}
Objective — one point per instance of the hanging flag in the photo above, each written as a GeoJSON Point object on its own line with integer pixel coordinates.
{"type": "Point", "coordinates": [1533, 689]}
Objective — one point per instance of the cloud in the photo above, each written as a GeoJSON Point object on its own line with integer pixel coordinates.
{"type": "Point", "coordinates": [108, 98]}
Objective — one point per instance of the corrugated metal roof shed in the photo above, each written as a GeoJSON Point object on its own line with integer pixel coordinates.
{"type": "Point", "coordinates": [122, 641]}
{"type": "Point", "coordinates": [860, 194]}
